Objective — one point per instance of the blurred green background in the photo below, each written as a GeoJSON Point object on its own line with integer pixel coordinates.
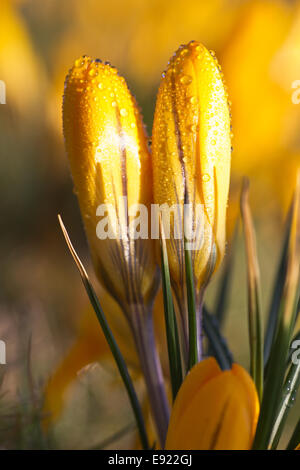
{"type": "Point", "coordinates": [43, 306]}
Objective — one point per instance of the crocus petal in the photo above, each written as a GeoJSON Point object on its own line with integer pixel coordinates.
{"type": "Point", "coordinates": [110, 163]}
{"type": "Point", "coordinates": [214, 409]}
{"type": "Point", "coordinates": [191, 154]}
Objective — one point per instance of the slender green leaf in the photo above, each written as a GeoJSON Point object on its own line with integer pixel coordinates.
{"type": "Point", "coordinates": [272, 323]}
{"type": "Point", "coordinates": [254, 297]}
{"type": "Point", "coordinates": [171, 323]}
{"type": "Point", "coordinates": [110, 339]}
{"type": "Point", "coordinates": [290, 389]}
{"type": "Point", "coordinates": [192, 313]}
{"type": "Point", "coordinates": [274, 385]}
{"type": "Point", "coordinates": [217, 343]}
{"type": "Point", "coordinates": [224, 289]}
{"type": "Point", "coordinates": [213, 325]}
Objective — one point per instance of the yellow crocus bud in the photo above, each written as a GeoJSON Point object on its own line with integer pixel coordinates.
{"type": "Point", "coordinates": [110, 163]}
{"type": "Point", "coordinates": [111, 167]}
{"type": "Point", "coordinates": [214, 409]}
{"type": "Point", "coordinates": [191, 158]}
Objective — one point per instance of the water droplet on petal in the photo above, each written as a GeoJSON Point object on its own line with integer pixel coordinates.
{"type": "Point", "coordinates": [205, 177]}
{"type": "Point", "coordinates": [186, 79]}
{"type": "Point", "coordinates": [79, 62]}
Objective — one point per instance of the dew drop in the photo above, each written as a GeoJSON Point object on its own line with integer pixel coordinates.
{"type": "Point", "coordinates": [186, 79]}
{"type": "Point", "coordinates": [123, 112]}
{"type": "Point", "coordinates": [79, 62]}
{"type": "Point", "coordinates": [192, 128]}
{"type": "Point", "coordinates": [205, 177]}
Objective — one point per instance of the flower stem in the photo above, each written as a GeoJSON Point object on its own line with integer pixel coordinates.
{"type": "Point", "coordinates": [142, 326]}
{"type": "Point", "coordinates": [184, 327]}
{"type": "Point", "coordinates": [199, 320]}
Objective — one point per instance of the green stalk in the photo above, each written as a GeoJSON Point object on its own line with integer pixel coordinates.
{"type": "Point", "coordinates": [254, 296]}
{"type": "Point", "coordinates": [171, 324]}
{"type": "Point", "coordinates": [280, 348]}
{"type": "Point", "coordinates": [290, 388]}
{"type": "Point", "coordinates": [194, 337]}
{"type": "Point", "coordinates": [217, 344]}
{"type": "Point", "coordinates": [273, 316]}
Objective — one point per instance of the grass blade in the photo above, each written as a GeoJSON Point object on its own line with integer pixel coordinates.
{"type": "Point", "coordinates": [110, 339]}
{"type": "Point", "coordinates": [217, 343]}
{"type": "Point", "coordinates": [290, 388]}
{"type": "Point", "coordinates": [254, 302]}
{"type": "Point", "coordinates": [171, 323]}
{"type": "Point", "coordinates": [280, 348]}
{"type": "Point", "coordinates": [192, 312]}
{"type": "Point", "coordinates": [224, 289]}
{"type": "Point", "coordinates": [277, 292]}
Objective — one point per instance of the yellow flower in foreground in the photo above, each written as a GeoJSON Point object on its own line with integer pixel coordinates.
{"type": "Point", "coordinates": [110, 164]}
{"type": "Point", "coordinates": [214, 409]}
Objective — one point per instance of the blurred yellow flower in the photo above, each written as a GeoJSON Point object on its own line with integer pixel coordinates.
{"type": "Point", "coordinates": [214, 410]}
{"type": "Point", "coordinates": [153, 26]}
{"type": "Point", "coordinates": [20, 69]}
{"type": "Point", "coordinates": [261, 61]}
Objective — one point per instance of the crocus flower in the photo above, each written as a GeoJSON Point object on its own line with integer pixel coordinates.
{"type": "Point", "coordinates": [191, 160]}
{"type": "Point", "coordinates": [214, 409]}
{"type": "Point", "coordinates": [111, 168]}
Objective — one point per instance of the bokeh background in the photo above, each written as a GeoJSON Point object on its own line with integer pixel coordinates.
{"type": "Point", "coordinates": [44, 311]}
